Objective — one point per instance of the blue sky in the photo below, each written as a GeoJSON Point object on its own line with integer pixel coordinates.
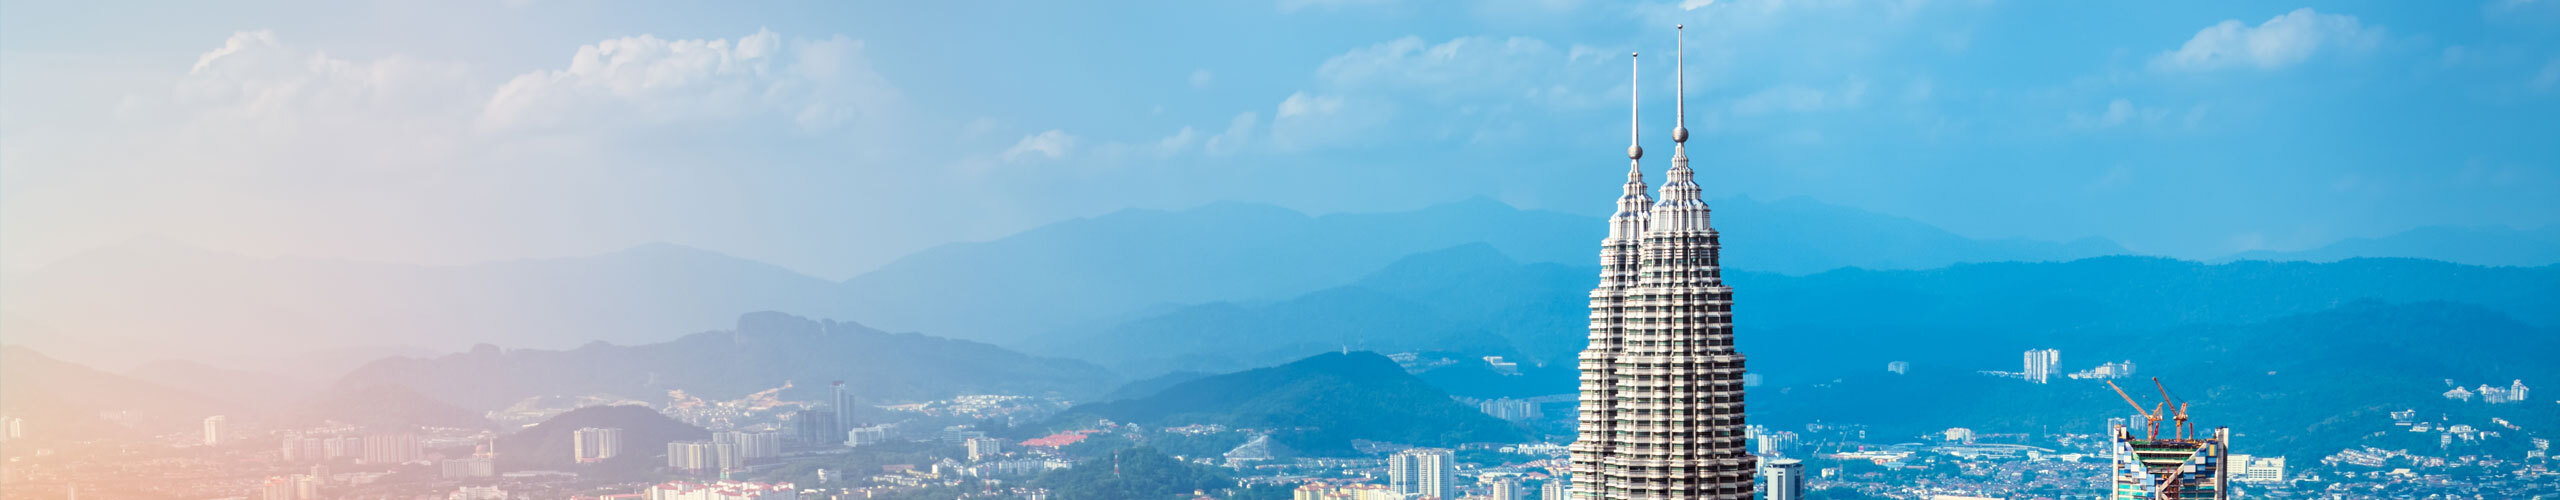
{"type": "Point", "coordinates": [832, 136]}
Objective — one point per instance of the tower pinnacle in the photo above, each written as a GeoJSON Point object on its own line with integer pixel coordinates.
{"type": "Point", "coordinates": [1635, 151]}
{"type": "Point", "coordinates": [1680, 127]}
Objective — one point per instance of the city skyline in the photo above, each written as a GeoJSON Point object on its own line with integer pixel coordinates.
{"type": "Point", "coordinates": [1279, 249]}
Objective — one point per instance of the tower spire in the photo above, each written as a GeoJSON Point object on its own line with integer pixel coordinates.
{"type": "Point", "coordinates": [1680, 125]}
{"type": "Point", "coordinates": [1635, 150]}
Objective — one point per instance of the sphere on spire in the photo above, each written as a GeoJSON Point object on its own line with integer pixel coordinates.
{"type": "Point", "coordinates": [1635, 152]}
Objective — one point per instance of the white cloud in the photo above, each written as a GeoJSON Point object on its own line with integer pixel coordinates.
{"type": "Point", "coordinates": [1178, 142]}
{"type": "Point", "coordinates": [2284, 41]}
{"type": "Point", "coordinates": [1475, 69]}
{"type": "Point", "coordinates": [1239, 133]}
{"type": "Point", "coordinates": [1300, 105]}
{"type": "Point", "coordinates": [2123, 111]}
{"type": "Point", "coordinates": [1052, 144]}
{"type": "Point", "coordinates": [1201, 78]}
{"type": "Point", "coordinates": [645, 79]}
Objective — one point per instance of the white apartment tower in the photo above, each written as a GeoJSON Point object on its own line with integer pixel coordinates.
{"type": "Point", "coordinates": [1423, 473]}
{"type": "Point", "coordinates": [213, 429]}
{"type": "Point", "coordinates": [1661, 395]}
{"type": "Point", "coordinates": [2040, 364]}
{"type": "Point", "coordinates": [595, 444]}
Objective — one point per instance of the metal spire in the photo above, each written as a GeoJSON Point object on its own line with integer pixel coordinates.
{"type": "Point", "coordinates": [1680, 128]}
{"type": "Point", "coordinates": [1635, 151]}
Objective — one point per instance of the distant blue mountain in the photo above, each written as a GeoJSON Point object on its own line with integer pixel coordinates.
{"type": "Point", "coordinates": [1090, 270]}
{"type": "Point", "coordinates": [1472, 300]}
{"type": "Point", "coordinates": [763, 351]}
{"type": "Point", "coordinates": [1317, 405]}
{"type": "Point", "coordinates": [2482, 245]}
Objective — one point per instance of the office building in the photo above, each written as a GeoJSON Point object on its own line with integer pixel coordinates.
{"type": "Point", "coordinates": [1782, 479]}
{"type": "Point", "coordinates": [595, 444]}
{"type": "Point", "coordinates": [1423, 473]}
{"type": "Point", "coordinates": [1661, 409]}
{"type": "Point", "coordinates": [1555, 489]}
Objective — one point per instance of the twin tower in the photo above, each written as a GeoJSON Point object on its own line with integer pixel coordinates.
{"type": "Point", "coordinates": [1661, 402]}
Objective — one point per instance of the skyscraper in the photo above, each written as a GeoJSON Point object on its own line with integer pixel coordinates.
{"type": "Point", "coordinates": [1784, 479]}
{"type": "Point", "coordinates": [213, 430]}
{"type": "Point", "coordinates": [1661, 396]}
{"type": "Point", "coordinates": [1422, 473]}
{"type": "Point", "coordinates": [2150, 468]}
{"type": "Point", "coordinates": [1554, 489]}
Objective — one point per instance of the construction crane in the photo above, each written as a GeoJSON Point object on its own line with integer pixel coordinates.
{"type": "Point", "coordinates": [2151, 417]}
{"type": "Point", "coordinates": [2166, 402]}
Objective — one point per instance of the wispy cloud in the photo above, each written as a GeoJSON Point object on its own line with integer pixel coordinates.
{"type": "Point", "coordinates": [2284, 41]}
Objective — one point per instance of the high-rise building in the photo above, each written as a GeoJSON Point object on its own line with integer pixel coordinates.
{"type": "Point", "coordinates": [2040, 363]}
{"type": "Point", "coordinates": [866, 436]}
{"type": "Point", "coordinates": [1783, 479]}
{"type": "Point", "coordinates": [1661, 412]}
{"type": "Point", "coordinates": [817, 428]}
{"type": "Point", "coordinates": [1504, 489]}
{"type": "Point", "coordinates": [213, 430]}
{"type": "Point", "coordinates": [293, 487]}
{"type": "Point", "coordinates": [1423, 473]}
{"type": "Point", "coordinates": [2261, 470]}
{"type": "Point", "coordinates": [844, 407]}
{"type": "Point", "coordinates": [1555, 489]}
{"type": "Point", "coordinates": [463, 468]}
{"type": "Point", "coordinates": [2174, 468]}
{"type": "Point", "coordinates": [1510, 409]}
{"type": "Point", "coordinates": [394, 448]}
{"type": "Point", "coordinates": [14, 428]}
{"type": "Point", "coordinates": [595, 444]}
{"type": "Point", "coordinates": [983, 447]}
{"type": "Point", "coordinates": [753, 446]}
{"type": "Point", "coordinates": [702, 456]}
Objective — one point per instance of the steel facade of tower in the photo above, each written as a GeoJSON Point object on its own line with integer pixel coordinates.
{"type": "Point", "coordinates": [1661, 385]}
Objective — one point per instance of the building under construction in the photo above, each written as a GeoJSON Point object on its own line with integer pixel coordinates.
{"type": "Point", "coordinates": [2183, 466]}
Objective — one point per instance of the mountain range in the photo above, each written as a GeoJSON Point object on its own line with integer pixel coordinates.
{"type": "Point", "coordinates": [1316, 406]}
{"type": "Point", "coordinates": [765, 350]}
{"type": "Point", "coordinates": [120, 306]}
{"type": "Point", "coordinates": [1472, 299]}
